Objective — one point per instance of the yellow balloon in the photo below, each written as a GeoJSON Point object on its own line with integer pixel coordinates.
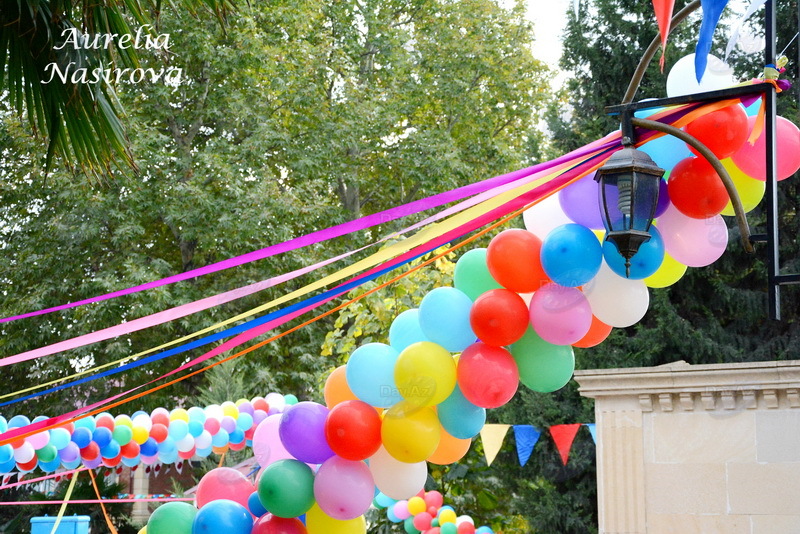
{"type": "Point", "coordinates": [667, 274]}
{"type": "Point", "coordinates": [416, 505]}
{"type": "Point", "coordinates": [123, 420]}
{"type": "Point", "coordinates": [447, 516]}
{"type": "Point", "coordinates": [179, 414]}
{"type": "Point", "coordinates": [425, 373]}
{"type": "Point", "coordinates": [143, 531]}
{"type": "Point", "coordinates": [410, 433]}
{"type": "Point", "coordinates": [230, 409]}
{"type": "Point", "coordinates": [751, 191]}
{"type": "Point", "coordinates": [140, 434]}
{"type": "Point", "coordinates": [318, 522]}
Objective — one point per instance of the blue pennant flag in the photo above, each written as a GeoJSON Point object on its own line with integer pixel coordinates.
{"type": "Point", "coordinates": [712, 10]}
{"type": "Point", "coordinates": [526, 437]}
{"type": "Point", "coordinates": [592, 430]}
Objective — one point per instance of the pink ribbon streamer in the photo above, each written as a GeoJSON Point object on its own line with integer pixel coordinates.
{"type": "Point", "coordinates": [97, 501]}
{"type": "Point", "coordinates": [33, 480]}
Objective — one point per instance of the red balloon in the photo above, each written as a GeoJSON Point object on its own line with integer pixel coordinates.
{"type": "Point", "coordinates": [112, 462]}
{"type": "Point", "coordinates": [224, 483]}
{"type": "Point", "coordinates": [90, 452]}
{"type": "Point", "coordinates": [513, 258]}
{"type": "Point", "coordinates": [259, 403]}
{"type": "Point", "coordinates": [159, 432]}
{"type": "Point", "coordinates": [751, 158]}
{"type": "Point", "coordinates": [723, 131]}
{"type": "Point", "coordinates": [696, 190]}
{"type": "Point", "coordinates": [499, 317]}
{"type": "Point", "coordinates": [422, 521]}
{"type": "Point", "coordinates": [270, 524]}
{"type": "Point", "coordinates": [598, 332]}
{"type": "Point", "coordinates": [238, 446]}
{"type": "Point", "coordinates": [130, 449]}
{"type": "Point", "coordinates": [105, 421]}
{"type": "Point", "coordinates": [188, 455]}
{"type": "Point", "coordinates": [353, 430]}
{"type": "Point", "coordinates": [466, 528]}
{"type": "Point", "coordinates": [30, 465]}
{"type": "Point", "coordinates": [487, 375]}
{"type": "Point", "coordinates": [160, 418]}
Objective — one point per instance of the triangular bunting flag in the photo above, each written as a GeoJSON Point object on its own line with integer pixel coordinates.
{"type": "Point", "coordinates": [663, 9]}
{"type": "Point", "coordinates": [592, 430]}
{"type": "Point", "coordinates": [492, 437]}
{"type": "Point", "coordinates": [712, 10]}
{"type": "Point", "coordinates": [526, 437]}
{"type": "Point", "coordinates": [563, 436]}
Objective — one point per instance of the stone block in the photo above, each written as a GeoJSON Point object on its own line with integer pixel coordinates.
{"type": "Point", "coordinates": [773, 524]}
{"type": "Point", "coordinates": [764, 489]}
{"type": "Point", "coordinates": [705, 437]}
{"type": "Point", "coordinates": [698, 524]}
{"type": "Point", "coordinates": [778, 436]}
{"type": "Point", "coordinates": [685, 489]}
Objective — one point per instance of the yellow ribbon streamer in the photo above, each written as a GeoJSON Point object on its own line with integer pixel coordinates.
{"type": "Point", "coordinates": [63, 507]}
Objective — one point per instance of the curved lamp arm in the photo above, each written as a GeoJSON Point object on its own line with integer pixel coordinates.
{"type": "Point", "coordinates": [736, 202]}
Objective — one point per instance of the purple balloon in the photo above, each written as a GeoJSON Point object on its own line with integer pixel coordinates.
{"type": "Point", "coordinates": [580, 201]}
{"type": "Point", "coordinates": [663, 198]}
{"type": "Point", "coordinates": [228, 424]}
{"type": "Point", "coordinates": [267, 446]}
{"type": "Point", "coordinates": [302, 432]}
{"type": "Point", "coordinates": [70, 453]}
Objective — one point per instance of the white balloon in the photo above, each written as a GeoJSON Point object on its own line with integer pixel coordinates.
{"type": "Point", "coordinates": [617, 301]}
{"type": "Point", "coordinates": [397, 479]}
{"type": "Point", "coordinates": [543, 217]}
{"type": "Point", "coordinates": [682, 80]}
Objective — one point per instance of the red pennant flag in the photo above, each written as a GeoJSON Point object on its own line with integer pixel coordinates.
{"type": "Point", "coordinates": [663, 9]}
{"type": "Point", "coordinates": [563, 436]}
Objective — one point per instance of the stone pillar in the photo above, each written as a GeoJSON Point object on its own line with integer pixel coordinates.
{"type": "Point", "coordinates": [141, 486]}
{"type": "Point", "coordinates": [697, 449]}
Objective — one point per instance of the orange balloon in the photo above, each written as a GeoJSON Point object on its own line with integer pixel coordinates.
{"type": "Point", "coordinates": [513, 260]}
{"type": "Point", "coordinates": [450, 449]}
{"type": "Point", "coordinates": [336, 388]}
{"type": "Point", "coordinates": [598, 331]}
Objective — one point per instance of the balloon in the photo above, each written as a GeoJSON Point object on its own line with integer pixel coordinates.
{"type": "Point", "coordinates": [370, 374]}
{"type": "Point", "coordinates": [302, 432]}
{"type": "Point", "coordinates": [751, 158]}
{"type": "Point", "coordinates": [543, 367]}
{"type": "Point", "coordinates": [224, 483]}
{"type": "Point", "coordinates": [447, 515]}
{"type": "Point", "coordinates": [122, 434]}
{"type": "Point", "coordinates": [667, 274]}
{"type": "Point", "coordinates": [88, 453]}
{"type": "Point", "coordinates": [158, 432]}
{"type": "Point", "coordinates": [750, 190]}
{"type": "Point", "coordinates": [353, 430]}
{"type": "Point", "coordinates": [39, 439]}
{"type": "Point", "coordinates": [396, 479]}
{"type": "Point", "coordinates": [336, 389]}
{"type": "Point", "coordinates": [318, 522]}
{"type": "Point", "coordinates": [722, 131]}
{"type": "Point", "coordinates": [598, 332]}
{"type": "Point", "coordinates": [59, 437]}
{"type": "Point", "coordinates": [579, 201]}
{"type": "Point", "coordinates": [645, 262]}
{"type": "Point", "coordinates": [487, 375]}
{"type": "Point", "coordinates": [47, 453]}
{"type": "Point", "coordinates": [343, 488]}
{"type": "Point", "coordinates": [696, 190]}
{"type": "Point", "coordinates": [544, 217]}
{"type": "Point", "coordinates": [408, 526]}
{"type": "Point", "coordinates": [102, 436]}
{"type": "Point", "coordinates": [666, 151]}
{"type": "Point", "coordinates": [425, 374]}
{"type": "Point", "coordinates": [560, 315]}
{"type": "Point", "coordinates": [571, 255]}
{"type": "Point", "coordinates": [472, 275]}
{"type": "Point", "coordinates": [82, 436]}
{"type": "Point", "coordinates": [499, 317]}
{"type": "Point", "coordinates": [223, 516]}
{"type": "Point", "coordinates": [267, 444]}
{"type": "Point", "coordinates": [172, 518]}
{"type": "Point", "coordinates": [459, 417]}
{"type": "Point", "coordinates": [444, 318]}
{"type": "Point", "coordinates": [513, 259]}
{"type": "Point", "coordinates": [617, 301]}
{"type": "Point", "coordinates": [693, 242]}
{"type": "Point", "coordinates": [682, 80]}
{"type": "Point", "coordinates": [416, 505]}
{"type": "Point", "coordinates": [255, 506]}
{"type": "Point", "coordinates": [400, 509]}
{"type": "Point", "coordinates": [423, 521]}
{"type": "Point", "coordinates": [410, 433]}
{"type": "Point", "coordinates": [286, 488]}
{"type": "Point", "coordinates": [271, 524]}
{"type": "Point", "coordinates": [449, 450]}
{"type": "Point", "coordinates": [405, 330]}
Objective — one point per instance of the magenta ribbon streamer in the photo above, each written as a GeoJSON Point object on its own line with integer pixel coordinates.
{"type": "Point", "coordinates": [329, 233]}
{"type": "Point", "coordinates": [523, 200]}
{"type": "Point", "coordinates": [97, 501]}
{"type": "Point", "coordinates": [40, 479]}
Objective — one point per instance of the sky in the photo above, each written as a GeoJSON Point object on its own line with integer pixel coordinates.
{"type": "Point", "coordinates": [548, 24]}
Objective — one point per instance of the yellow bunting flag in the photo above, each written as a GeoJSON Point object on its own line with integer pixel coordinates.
{"type": "Point", "coordinates": [492, 437]}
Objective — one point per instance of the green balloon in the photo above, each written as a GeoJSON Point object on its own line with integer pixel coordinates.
{"type": "Point", "coordinates": [408, 525]}
{"type": "Point", "coordinates": [448, 528]}
{"type": "Point", "coordinates": [47, 453]}
{"type": "Point", "coordinates": [543, 367]}
{"type": "Point", "coordinates": [122, 434]}
{"type": "Point", "coordinates": [172, 518]}
{"type": "Point", "coordinates": [472, 275]}
{"type": "Point", "coordinates": [290, 399]}
{"type": "Point", "coordinates": [286, 488]}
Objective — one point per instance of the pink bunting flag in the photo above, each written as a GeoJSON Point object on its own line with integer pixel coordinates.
{"type": "Point", "coordinates": [663, 9]}
{"type": "Point", "coordinates": [563, 436]}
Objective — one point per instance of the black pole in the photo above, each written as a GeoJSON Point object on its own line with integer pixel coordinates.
{"type": "Point", "coordinates": [771, 195]}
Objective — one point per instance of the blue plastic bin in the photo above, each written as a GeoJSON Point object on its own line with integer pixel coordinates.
{"type": "Point", "coordinates": [76, 524]}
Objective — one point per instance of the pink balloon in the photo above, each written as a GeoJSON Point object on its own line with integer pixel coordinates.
{"type": "Point", "coordinates": [401, 509]}
{"type": "Point", "coordinates": [693, 242]}
{"type": "Point", "coordinates": [433, 498]}
{"type": "Point", "coordinates": [751, 158]}
{"type": "Point", "coordinates": [224, 483]}
{"type": "Point", "coordinates": [270, 524]}
{"type": "Point", "coordinates": [487, 375]}
{"type": "Point", "coordinates": [344, 488]}
{"type": "Point", "coordinates": [267, 446]}
{"type": "Point", "coordinates": [560, 315]}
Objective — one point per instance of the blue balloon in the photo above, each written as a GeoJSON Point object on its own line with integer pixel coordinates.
{"type": "Point", "coordinates": [571, 255]}
{"type": "Point", "coordinates": [111, 450]}
{"type": "Point", "coordinates": [644, 263]}
{"type": "Point", "coordinates": [244, 421]}
{"type": "Point", "coordinates": [149, 448]}
{"type": "Point", "coordinates": [19, 421]}
{"type": "Point", "coordinates": [222, 516]}
{"type": "Point", "coordinates": [666, 151]}
{"type": "Point", "coordinates": [370, 374]}
{"type": "Point", "coordinates": [484, 530]}
{"type": "Point", "coordinates": [178, 429]}
{"type": "Point", "coordinates": [86, 422]}
{"type": "Point", "coordinates": [384, 501]}
{"type": "Point", "coordinates": [130, 462]}
{"type": "Point", "coordinates": [168, 446]}
{"type": "Point", "coordinates": [71, 465]}
{"type": "Point", "coordinates": [6, 453]}
{"type": "Point", "coordinates": [7, 467]}
{"type": "Point", "coordinates": [196, 414]}
{"type": "Point", "coordinates": [392, 516]}
{"type": "Point", "coordinates": [459, 417]}
{"type": "Point", "coordinates": [221, 438]}
{"type": "Point", "coordinates": [405, 330]}
{"type": "Point", "coordinates": [82, 436]}
{"type": "Point", "coordinates": [195, 428]}
{"type": "Point", "coordinates": [49, 467]}
{"type": "Point", "coordinates": [168, 457]}
{"type": "Point", "coordinates": [204, 453]}
{"type": "Point", "coordinates": [254, 503]}
{"type": "Point", "coordinates": [3, 424]}
{"type": "Point", "coordinates": [237, 436]}
{"type": "Point", "coordinates": [444, 318]}
{"type": "Point", "coordinates": [59, 438]}
{"type": "Point", "coordinates": [101, 436]}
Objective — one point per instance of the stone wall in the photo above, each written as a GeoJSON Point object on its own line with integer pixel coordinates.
{"type": "Point", "coordinates": [697, 448]}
